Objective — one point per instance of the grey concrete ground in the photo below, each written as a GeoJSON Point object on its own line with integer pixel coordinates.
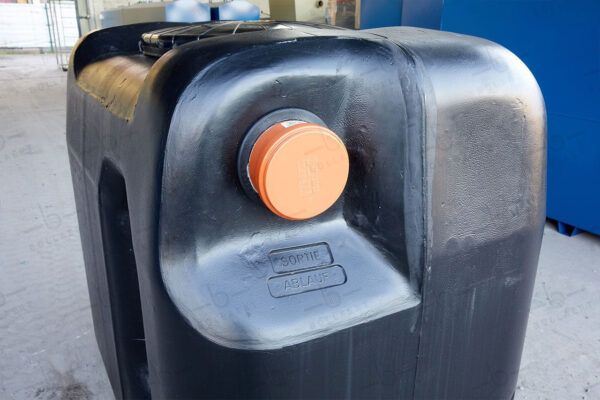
{"type": "Point", "coordinates": [47, 345]}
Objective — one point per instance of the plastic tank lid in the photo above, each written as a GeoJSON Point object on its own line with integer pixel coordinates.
{"type": "Point", "coordinates": [298, 169]}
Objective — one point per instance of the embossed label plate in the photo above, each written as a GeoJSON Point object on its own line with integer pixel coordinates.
{"type": "Point", "coordinates": [303, 257]}
{"type": "Point", "coordinates": [305, 281]}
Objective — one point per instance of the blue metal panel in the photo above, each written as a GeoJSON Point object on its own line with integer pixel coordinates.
{"type": "Point", "coordinates": [422, 13]}
{"type": "Point", "coordinates": [380, 13]}
{"type": "Point", "coordinates": [560, 42]}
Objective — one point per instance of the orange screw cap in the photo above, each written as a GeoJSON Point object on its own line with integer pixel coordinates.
{"type": "Point", "coordinates": [298, 169]}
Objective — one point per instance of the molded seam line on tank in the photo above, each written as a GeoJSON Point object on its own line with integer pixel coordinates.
{"type": "Point", "coordinates": [349, 365]}
{"type": "Point", "coordinates": [429, 125]}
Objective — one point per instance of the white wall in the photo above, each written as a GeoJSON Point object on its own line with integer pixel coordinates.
{"type": "Point", "coordinates": [26, 25]}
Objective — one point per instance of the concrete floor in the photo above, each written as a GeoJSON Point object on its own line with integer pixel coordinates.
{"type": "Point", "coordinates": [47, 344]}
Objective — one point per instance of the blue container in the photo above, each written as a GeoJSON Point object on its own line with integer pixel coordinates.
{"type": "Point", "coordinates": [560, 42]}
{"type": "Point", "coordinates": [187, 11]}
{"type": "Point", "coordinates": [239, 10]}
{"type": "Point", "coordinates": [194, 11]}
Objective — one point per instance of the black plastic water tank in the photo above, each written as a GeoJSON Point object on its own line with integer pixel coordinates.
{"type": "Point", "coordinates": [407, 267]}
